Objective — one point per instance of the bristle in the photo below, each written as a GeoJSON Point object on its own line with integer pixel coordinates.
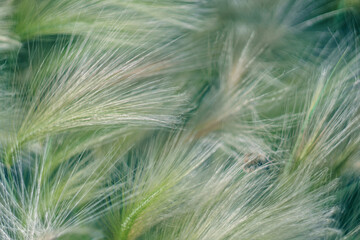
{"type": "Point", "coordinates": [179, 119]}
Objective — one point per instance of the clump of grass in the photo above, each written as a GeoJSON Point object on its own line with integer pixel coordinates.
{"type": "Point", "coordinates": [40, 201]}
{"type": "Point", "coordinates": [157, 185]}
{"type": "Point", "coordinates": [179, 119]}
{"type": "Point", "coordinates": [79, 87]}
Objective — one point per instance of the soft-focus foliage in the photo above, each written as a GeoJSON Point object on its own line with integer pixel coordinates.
{"type": "Point", "coordinates": [169, 119]}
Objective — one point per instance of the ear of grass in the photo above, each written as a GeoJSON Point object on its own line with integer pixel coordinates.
{"type": "Point", "coordinates": [85, 88]}
{"type": "Point", "coordinates": [242, 88]}
{"type": "Point", "coordinates": [250, 85]}
{"type": "Point", "coordinates": [153, 175]}
{"type": "Point", "coordinates": [232, 204]}
{"type": "Point", "coordinates": [329, 131]}
{"type": "Point", "coordinates": [45, 203]}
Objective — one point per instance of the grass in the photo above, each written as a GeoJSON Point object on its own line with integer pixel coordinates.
{"type": "Point", "coordinates": [176, 119]}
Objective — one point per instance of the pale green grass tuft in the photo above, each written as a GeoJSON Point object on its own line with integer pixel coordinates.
{"type": "Point", "coordinates": [179, 119]}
